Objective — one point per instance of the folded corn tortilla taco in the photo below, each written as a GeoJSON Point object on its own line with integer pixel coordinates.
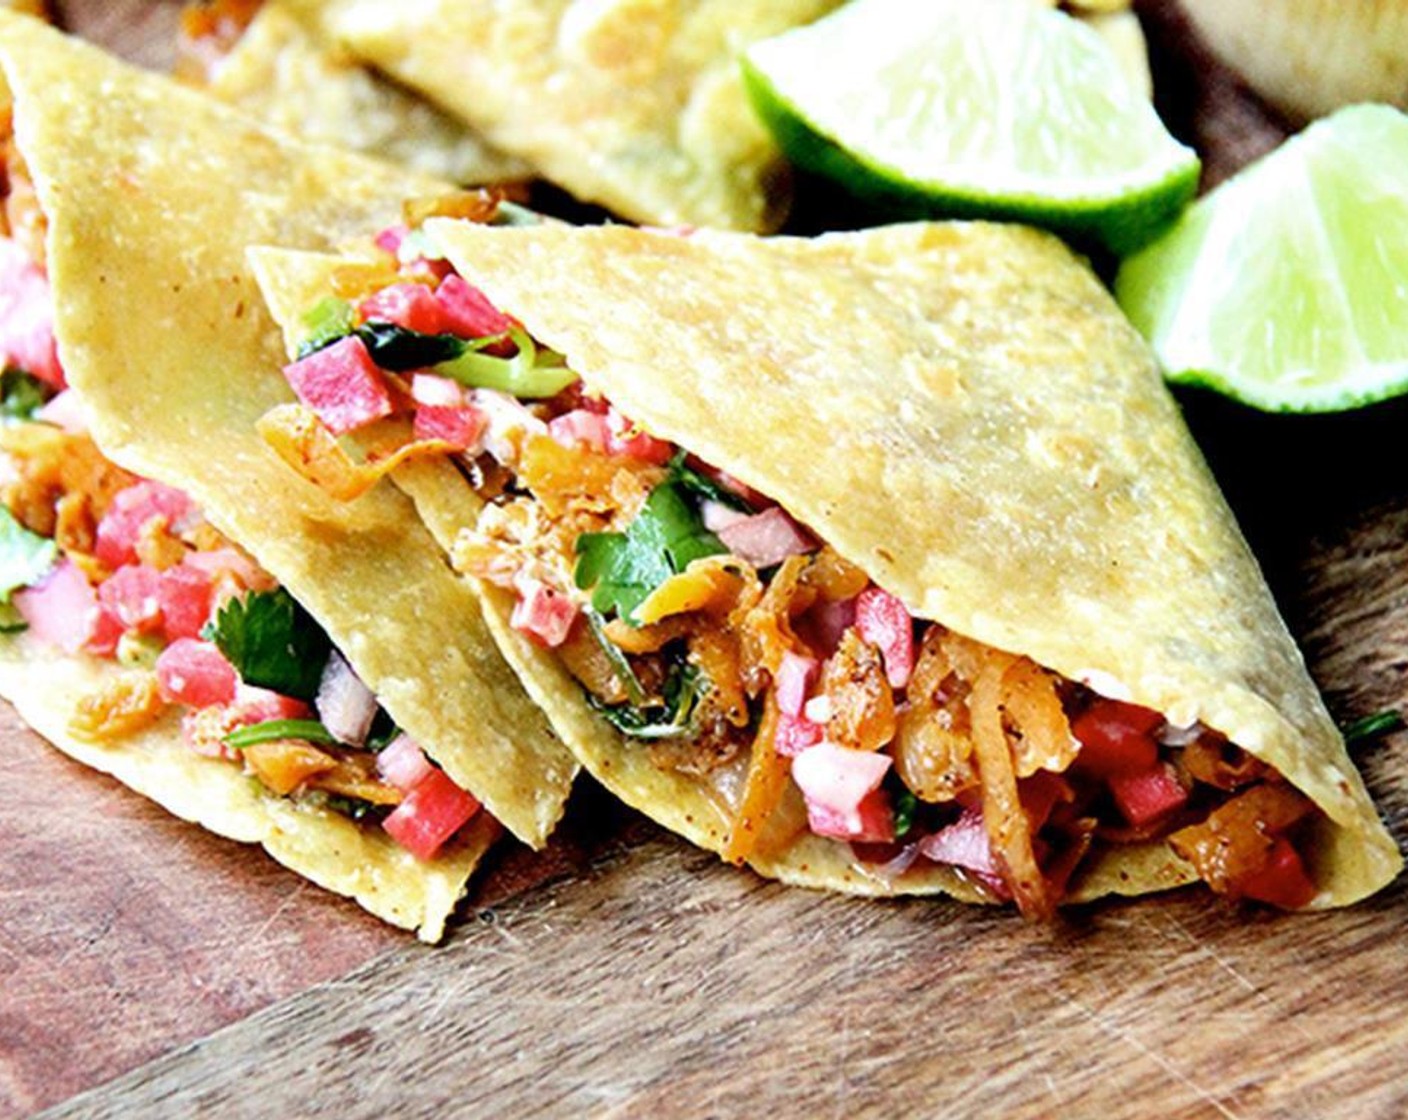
{"type": "Point", "coordinates": [882, 561]}
{"type": "Point", "coordinates": [279, 71]}
{"type": "Point", "coordinates": [635, 105]}
{"type": "Point", "coordinates": [182, 601]}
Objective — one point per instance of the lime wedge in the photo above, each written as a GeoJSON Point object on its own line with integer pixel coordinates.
{"type": "Point", "coordinates": [1287, 287]}
{"type": "Point", "coordinates": [951, 108]}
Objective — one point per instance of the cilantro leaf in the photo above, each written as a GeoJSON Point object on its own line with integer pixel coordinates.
{"type": "Point", "coordinates": [671, 717]}
{"type": "Point", "coordinates": [21, 395]}
{"type": "Point", "coordinates": [24, 558]}
{"type": "Point", "coordinates": [399, 349]}
{"type": "Point", "coordinates": [624, 568]}
{"type": "Point", "coordinates": [272, 642]}
{"type": "Point", "coordinates": [702, 486]}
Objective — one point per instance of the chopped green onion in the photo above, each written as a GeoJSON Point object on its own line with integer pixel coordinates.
{"type": "Point", "coordinates": [271, 731]}
{"type": "Point", "coordinates": [11, 621]}
{"type": "Point", "coordinates": [529, 374]}
{"type": "Point", "coordinates": [327, 321]}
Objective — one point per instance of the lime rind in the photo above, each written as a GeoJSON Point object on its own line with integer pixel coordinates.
{"type": "Point", "coordinates": [947, 109]}
{"type": "Point", "coordinates": [1287, 287]}
{"type": "Point", "coordinates": [1122, 222]}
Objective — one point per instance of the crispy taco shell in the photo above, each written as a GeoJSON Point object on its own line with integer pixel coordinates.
{"type": "Point", "coordinates": [151, 192]}
{"type": "Point", "coordinates": [286, 76]}
{"type": "Point", "coordinates": [961, 411]}
{"type": "Point", "coordinates": [636, 105]}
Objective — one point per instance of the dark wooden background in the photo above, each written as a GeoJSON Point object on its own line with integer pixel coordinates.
{"type": "Point", "coordinates": [147, 968]}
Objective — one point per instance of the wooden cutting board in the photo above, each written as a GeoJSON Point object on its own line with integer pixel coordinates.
{"type": "Point", "coordinates": [150, 969]}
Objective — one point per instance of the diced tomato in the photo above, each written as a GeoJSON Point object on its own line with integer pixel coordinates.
{"type": "Point", "coordinates": [186, 594]}
{"type": "Point", "coordinates": [766, 538]}
{"type": "Point", "coordinates": [62, 609]}
{"type": "Point", "coordinates": [1116, 738]}
{"type": "Point", "coordinates": [795, 734]}
{"type": "Point", "coordinates": [1149, 795]}
{"type": "Point", "coordinates": [795, 677]}
{"type": "Point", "coordinates": [195, 674]}
{"type": "Point", "coordinates": [130, 511]}
{"type": "Point", "coordinates": [403, 763]}
{"type": "Point", "coordinates": [543, 613]}
{"type": "Point", "coordinates": [433, 811]}
{"type": "Point", "coordinates": [131, 595]}
{"type": "Point", "coordinates": [342, 385]}
{"type": "Point", "coordinates": [467, 312]}
{"type": "Point", "coordinates": [259, 705]}
{"type": "Point", "coordinates": [835, 781]}
{"type": "Point", "coordinates": [461, 427]}
{"type": "Point", "coordinates": [220, 562]}
{"type": "Point", "coordinates": [107, 632]}
{"type": "Point", "coordinates": [204, 729]}
{"type": "Point", "coordinates": [1040, 793]}
{"type": "Point", "coordinates": [626, 439]}
{"type": "Point", "coordinates": [886, 623]}
{"type": "Point", "coordinates": [412, 306]}
{"type": "Point", "coordinates": [1284, 881]}
{"type": "Point", "coordinates": [580, 426]}
{"type": "Point", "coordinates": [27, 316]}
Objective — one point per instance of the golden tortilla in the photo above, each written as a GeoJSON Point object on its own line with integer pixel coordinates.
{"type": "Point", "coordinates": [365, 864]}
{"type": "Point", "coordinates": [636, 105]}
{"type": "Point", "coordinates": [282, 74]}
{"type": "Point", "coordinates": [961, 410]}
{"type": "Point", "coordinates": [152, 192]}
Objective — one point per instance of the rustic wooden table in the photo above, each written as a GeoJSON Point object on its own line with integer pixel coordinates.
{"type": "Point", "coordinates": [151, 969]}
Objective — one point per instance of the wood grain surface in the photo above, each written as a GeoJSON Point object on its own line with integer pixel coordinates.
{"type": "Point", "coordinates": [151, 969]}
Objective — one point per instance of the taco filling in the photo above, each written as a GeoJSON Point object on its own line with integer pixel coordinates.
{"type": "Point", "coordinates": [99, 562]}
{"type": "Point", "coordinates": [726, 639]}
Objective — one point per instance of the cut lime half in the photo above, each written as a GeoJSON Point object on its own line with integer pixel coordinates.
{"type": "Point", "coordinates": [955, 108]}
{"type": "Point", "coordinates": [1287, 287]}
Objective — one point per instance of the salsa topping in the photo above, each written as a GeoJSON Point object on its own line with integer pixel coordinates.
{"type": "Point", "coordinates": [704, 621]}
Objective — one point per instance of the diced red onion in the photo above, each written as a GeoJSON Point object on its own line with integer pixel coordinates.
{"type": "Point", "coordinates": [62, 609]}
{"type": "Point", "coordinates": [580, 426]}
{"type": "Point", "coordinates": [836, 780]}
{"type": "Point", "coordinates": [506, 417]}
{"type": "Point", "coordinates": [65, 411]}
{"type": "Point", "coordinates": [345, 705]}
{"type": "Point", "coordinates": [403, 763]}
{"type": "Point", "coordinates": [795, 677]}
{"type": "Point", "coordinates": [963, 844]}
{"type": "Point", "coordinates": [718, 517]}
{"type": "Point", "coordinates": [766, 538]}
{"type": "Point", "coordinates": [430, 388]}
{"type": "Point", "coordinates": [543, 612]}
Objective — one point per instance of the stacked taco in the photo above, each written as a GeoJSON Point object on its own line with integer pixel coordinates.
{"type": "Point", "coordinates": [282, 668]}
{"type": "Point", "coordinates": [882, 562]}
